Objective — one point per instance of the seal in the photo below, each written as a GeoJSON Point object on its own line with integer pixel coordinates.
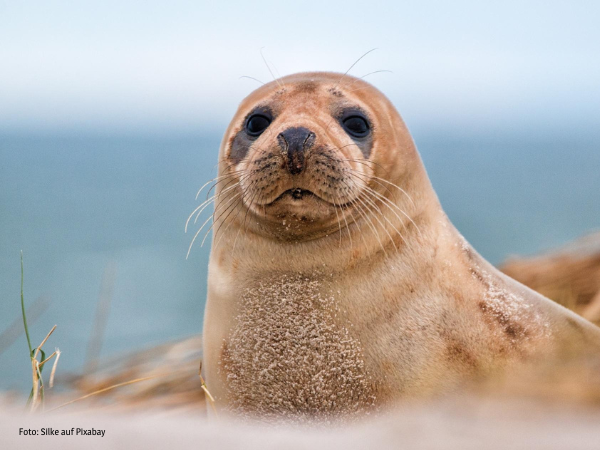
{"type": "Point", "coordinates": [337, 284]}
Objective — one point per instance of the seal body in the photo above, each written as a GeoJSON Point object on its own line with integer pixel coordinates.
{"type": "Point", "coordinates": [337, 284]}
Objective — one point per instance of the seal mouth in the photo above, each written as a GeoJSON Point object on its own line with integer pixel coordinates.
{"type": "Point", "coordinates": [295, 194]}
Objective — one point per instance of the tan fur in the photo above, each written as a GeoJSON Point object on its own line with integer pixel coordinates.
{"type": "Point", "coordinates": [315, 309]}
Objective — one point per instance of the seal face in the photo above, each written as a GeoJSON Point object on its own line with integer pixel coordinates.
{"type": "Point", "coordinates": [302, 155]}
{"type": "Point", "coordinates": [337, 284]}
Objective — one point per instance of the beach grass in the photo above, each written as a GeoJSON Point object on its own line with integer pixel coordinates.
{"type": "Point", "coordinates": [37, 393]}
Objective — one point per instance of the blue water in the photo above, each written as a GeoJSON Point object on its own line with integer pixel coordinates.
{"type": "Point", "coordinates": [76, 204]}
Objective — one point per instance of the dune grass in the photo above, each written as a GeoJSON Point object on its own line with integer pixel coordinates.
{"type": "Point", "coordinates": [36, 396]}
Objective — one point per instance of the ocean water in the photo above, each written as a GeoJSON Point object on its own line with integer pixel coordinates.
{"type": "Point", "coordinates": [77, 205]}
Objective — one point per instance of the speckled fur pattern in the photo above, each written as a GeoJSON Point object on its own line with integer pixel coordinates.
{"type": "Point", "coordinates": [360, 295]}
{"type": "Point", "coordinates": [305, 364]}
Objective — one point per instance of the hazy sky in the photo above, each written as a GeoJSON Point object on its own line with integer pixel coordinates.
{"type": "Point", "coordinates": [176, 66]}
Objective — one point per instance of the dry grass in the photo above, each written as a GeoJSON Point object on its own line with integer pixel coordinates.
{"type": "Point", "coordinates": [163, 377]}
{"type": "Point", "coordinates": [570, 275]}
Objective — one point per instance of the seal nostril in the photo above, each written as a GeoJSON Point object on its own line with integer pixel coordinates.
{"type": "Point", "coordinates": [294, 142]}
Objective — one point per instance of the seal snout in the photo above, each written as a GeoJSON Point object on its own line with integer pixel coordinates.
{"type": "Point", "coordinates": [294, 143]}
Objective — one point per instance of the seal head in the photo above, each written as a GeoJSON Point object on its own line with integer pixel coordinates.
{"type": "Point", "coordinates": [306, 148]}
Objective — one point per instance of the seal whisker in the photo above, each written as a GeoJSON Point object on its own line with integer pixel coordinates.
{"type": "Point", "coordinates": [360, 161]}
{"type": "Point", "coordinates": [358, 226]}
{"type": "Point", "coordinates": [371, 73]}
{"type": "Point", "coordinates": [227, 201]}
{"type": "Point", "coordinates": [337, 216]}
{"type": "Point", "coordinates": [366, 162]}
{"type": "Point", "coordinates": [203, 205]}
{"type": "Point", "coordinates": [196, 235]}
{"type": "Point", "coordinates": [370, 223]}
{"type": "Point", "coordinates": [371, 202]}
{"type": "Point", "coordinates": [216, 233]}
{"type": "Point", "coordinates": [200, 229]}
{"type": "Point", "coordinates": [228, 163]}
{"type": "Point", "coordinates": [364, 87]}
{"type": "Point", "coordinates": [248, 206]}
{"type": "Point", "coordinates": [231, 209]}
{"type": "Point", "coordinates": [228, 179]}
{"type": "Point", "coordinates": [252, 78]}
{"type": "Point", "coordinates": [387, 202]}
{"type": "Point", "coordinates": [217, 178]}
{"type": "Point", "coordinates": [269, 68]}
{"type": "Point", "coordinates": [391, 205]}
{"type": "Point", "coordinates": [368, 209]}
{"type": "Point", "coordinates": [260, 199]}
{"type": "Point", "coordinates": [199, 207]}
{"type": "Point", "coordinates": [191, 215]}
{"type": "Point", "coordinates": [397, 187]}
{"type": "Point", "coordinates": [194, 238]}
{"type": "Point", "coordinates": [204, 185]}
{"type": "Point", "coordinates": [240, 201]}
{"type": "Point", "coordinates": [354, 173]}
{"type": "Point", "coordinates": [245, 174]}
{"type": "Point", "coordinates": [346, 221]}
{"type": "Point", "coordinates": [368, 192]}
{"type": "Point", "coordinates": [232, 206]}
{"type": "Point", "coordinates": [366, 198]}
{"type": "Point", "coordinates": [353, 64]}
{"type": "Point", "coordinates": [213, 198]}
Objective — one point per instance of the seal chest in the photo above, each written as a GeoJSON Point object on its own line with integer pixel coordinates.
{"type": "Point", "coordinates": [288, 356]}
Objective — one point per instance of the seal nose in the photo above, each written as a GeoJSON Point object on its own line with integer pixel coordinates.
{"type": "Point", "coordinates": [294, 143]}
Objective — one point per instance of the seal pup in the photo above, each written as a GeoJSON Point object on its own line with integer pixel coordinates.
{"type": "Point", "coordinates": [337, 284]}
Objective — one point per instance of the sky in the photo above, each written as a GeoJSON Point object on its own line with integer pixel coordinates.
{"type": "Point", "coordinates": [163, 67]}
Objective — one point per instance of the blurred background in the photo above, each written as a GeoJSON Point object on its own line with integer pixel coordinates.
{"type": "Point", "coordinates": [111, 114]}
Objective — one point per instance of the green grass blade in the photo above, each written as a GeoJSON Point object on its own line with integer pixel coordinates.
{"type": "Point", "coordinates": [42, 358]}
{"type": "Point", "coordinates": [23, 309]}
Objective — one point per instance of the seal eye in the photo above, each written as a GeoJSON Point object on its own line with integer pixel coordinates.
{"type": "Point", "coordinates": [356, 126]}
{"type": "Point", "coordinates": [256, 124]}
